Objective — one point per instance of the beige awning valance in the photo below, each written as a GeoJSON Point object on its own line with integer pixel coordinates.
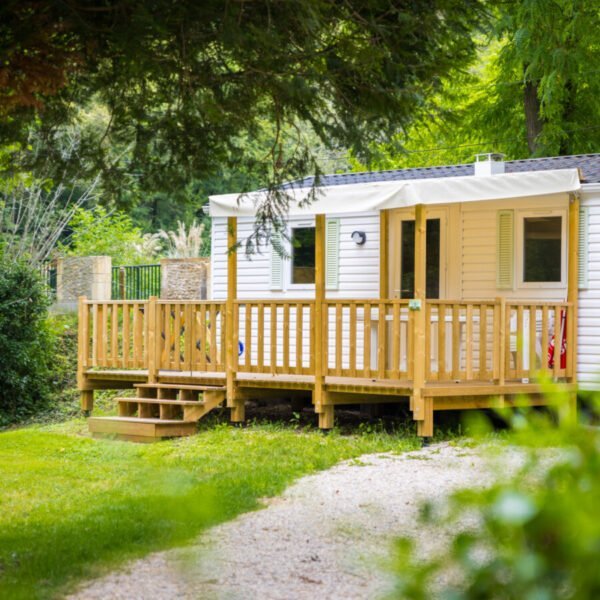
{"type": "Point", "coordinates": [364, 197]}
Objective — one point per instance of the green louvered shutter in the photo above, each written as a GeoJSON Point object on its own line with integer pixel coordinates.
{"type": "Point", "coordinates": [583, 247]}
{"type": "Point", "coordinates": [332, 253]}
{"type": "Point", "coordinates": [505, 250]}
{"type": "Point", "coordinates": [276, 262]}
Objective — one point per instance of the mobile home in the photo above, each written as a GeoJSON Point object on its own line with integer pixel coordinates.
{"type": "Point", "coordinates": [443, 288]}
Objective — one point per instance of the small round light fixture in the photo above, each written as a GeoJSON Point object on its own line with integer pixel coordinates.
{"type": "Point", "coordinates": [359, 237]}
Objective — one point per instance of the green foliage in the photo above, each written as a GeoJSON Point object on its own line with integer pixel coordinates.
{"type": "Point", "coordinates": [534, 90]}
{"type": "Point", "coordinates": [174, 92]}
{"type": "Point", "coordinates": [73, 506]}
{"type": "Point", "coordinates": [99, 232]}
{"type": "Point", "coordinates": [26, 345]}
{"type": "Point", "coordinates": [537, 535]}
{"type": "Point", "coordinates": [545, 84]}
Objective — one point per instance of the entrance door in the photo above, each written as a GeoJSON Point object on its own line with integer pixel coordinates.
{"type": "Point", "coordinates": [435, 260]}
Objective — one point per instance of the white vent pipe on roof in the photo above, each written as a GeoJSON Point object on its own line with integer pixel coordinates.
{"type": "Point", "coordinates": [489, 164]}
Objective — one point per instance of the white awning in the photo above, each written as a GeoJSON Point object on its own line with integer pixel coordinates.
{"type": "Point", "coordinates": [364, 197]}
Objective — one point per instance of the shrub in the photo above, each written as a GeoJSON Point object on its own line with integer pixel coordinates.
{"type": "Point", "coordinates": [98, 232]}
{"type": "Point", "coordinates": [26, 344]}
{"type": "Point", "coordinates": [537, 535]}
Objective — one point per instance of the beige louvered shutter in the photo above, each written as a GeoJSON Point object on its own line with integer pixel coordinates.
{"type": "Point", "coordinates": [276, 262]}
{"type": "Point", "coordinates": [505, 250]}
{"type": "Point", "coordinates": [582, 275]}
{"type": "Point", "coordinates": [332, 253]}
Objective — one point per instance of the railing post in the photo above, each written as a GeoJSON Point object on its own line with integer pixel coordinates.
{"type": "Point", "coordinates": [83, 336]}
{"type": "Point", "coordinates": [152, 340]}
{"type": "Point", "coordinates": [324, 410]}
{"type": "Point", "coordinates": [422, 407]}
{"type": "Point", "coordinates": [234, 401]}
{"type": "Point", "coordinates": [573, 287]}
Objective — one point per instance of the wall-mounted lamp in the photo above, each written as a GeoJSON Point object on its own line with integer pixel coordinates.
{"type": "Point", "coordinates": [359, 237]}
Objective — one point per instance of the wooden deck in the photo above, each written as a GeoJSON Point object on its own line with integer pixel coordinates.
{"type": "Point", "coordinates": [432, 354]}
{"type": "Point", "coordinates": [448, 355]}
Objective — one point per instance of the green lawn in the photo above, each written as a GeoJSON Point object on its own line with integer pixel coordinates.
{"type": "Point", "coordinates": [72, 506]}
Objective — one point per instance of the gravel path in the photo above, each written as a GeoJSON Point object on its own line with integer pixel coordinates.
{"type": "Point", "coordinates": [328, 536]}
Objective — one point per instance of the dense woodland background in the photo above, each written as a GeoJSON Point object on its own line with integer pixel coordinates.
{"type": "Point", "coordinates": [148, 107]}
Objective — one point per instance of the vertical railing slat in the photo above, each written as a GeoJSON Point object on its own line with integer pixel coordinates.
{"type": "Point", "coordinates": [367, 340]}
{"type": "Point", "coordinates": [353, 342]}
{"type": "Point", "coordinates": [273, 338]}
{"type": "Point", "coordinates": [483, 341]}
{"type": "Point", "coordinates": [442, 370]}
{"type": "Point", "coordinates": [396, 340]}
{"type": "Point", "coordinates": [455, 342]}
{"type": "Point", "coordinates": [125, 362]}
{"type": "Point", "coordinates": [469, 342]}
{"type": "Point", "coordinates": [532, 340]}
{"type": "Point", "coordinates": [381, 339]}
{"type": "Point", "coordinates": [286, 338]}
{"type": "Point", "coordinates": [557, 341]}
{"type": "Point", "coordinates": [260, 337]}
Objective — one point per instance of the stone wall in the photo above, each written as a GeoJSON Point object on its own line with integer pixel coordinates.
{"type": "Point", "coordinates": [184, 278]}
{"type": "Point", "coordinates": [76, 276]}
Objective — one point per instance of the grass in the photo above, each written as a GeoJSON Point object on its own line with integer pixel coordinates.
{"type": "Point", "coordinates": [72, 507]}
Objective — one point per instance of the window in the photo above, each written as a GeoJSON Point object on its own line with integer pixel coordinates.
{"type": "Point", "coordinates": [542, 249]}
{"type": "Point", "coordinates": [303, 255]}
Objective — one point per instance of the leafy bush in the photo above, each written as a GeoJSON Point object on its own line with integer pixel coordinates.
{"type": "Point", "coordinates": [26, 345]}
{"type": "Point", "coordinates": [537, 535]}
{"type": "Point", "coordinates": [98, 232]}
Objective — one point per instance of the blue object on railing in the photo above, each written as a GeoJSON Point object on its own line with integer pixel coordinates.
{"type": "Point", "coordinates": [240, 348]}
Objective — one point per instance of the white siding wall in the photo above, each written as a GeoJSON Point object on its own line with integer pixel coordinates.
{"type": "Point", "coordinates": [358, 265]}
{"type": "Point", "coordinates": [471, 238]}
{"type": "Point", "coordinates": [588, 371]}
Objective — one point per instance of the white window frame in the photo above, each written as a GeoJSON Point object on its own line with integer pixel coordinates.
{"type": "Point", "coordinates": [521, 215]}
{"type": "Point", "coordinates": [288, 263]}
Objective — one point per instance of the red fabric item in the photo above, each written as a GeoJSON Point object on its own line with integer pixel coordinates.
{"type": "Point", "coordinates": [563, 345]}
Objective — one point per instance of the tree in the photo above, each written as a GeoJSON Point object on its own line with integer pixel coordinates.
{"type": "Point", "coordinates": [534, 91]}
{"type": "Point", "coordinates": [546, 75]}
{"type": "Point", "coordinates": [184, 82]}
{"type": "Point", "coordinates": [98, 232]}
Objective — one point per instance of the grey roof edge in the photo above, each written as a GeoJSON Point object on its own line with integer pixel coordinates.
{"type": "Point", "coordinates": [589, 165]}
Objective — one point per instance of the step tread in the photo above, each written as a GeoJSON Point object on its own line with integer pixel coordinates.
{"type": "Point", "coordinates": [180, 386]}
{"type": "Point", "coordinates": [136, 400]}
{"type": "Point", "coordinates": [146, 421]}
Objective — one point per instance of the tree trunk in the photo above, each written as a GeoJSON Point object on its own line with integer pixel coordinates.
{"type": "Point", "coordinates": [566, 142]}
{"type": "Point", "coordinates": [533, 121]}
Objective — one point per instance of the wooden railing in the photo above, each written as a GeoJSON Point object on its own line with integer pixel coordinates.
{"type": "Point", "coordinates": [368, 338]}
{"type": "Point", "coordinates": [275, 337]}
{"type": "Point", "coordinates": [496, 340]}
{"type": "Point", "coordinates": [190, 336]}
{"type": "Point", "coordinates": [485, 341]}
{"type": "Point", "coordinates": [461, 342]}
{"type": "Point", "coordinates": [115, 334]}
{"type": "Point", "coordinates": [539, 340]}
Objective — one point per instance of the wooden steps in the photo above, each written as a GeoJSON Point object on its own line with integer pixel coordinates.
{"type": "Point", "coordinates": [159, 410]}
{"type": "Point", "coordinates": [136, 429]}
